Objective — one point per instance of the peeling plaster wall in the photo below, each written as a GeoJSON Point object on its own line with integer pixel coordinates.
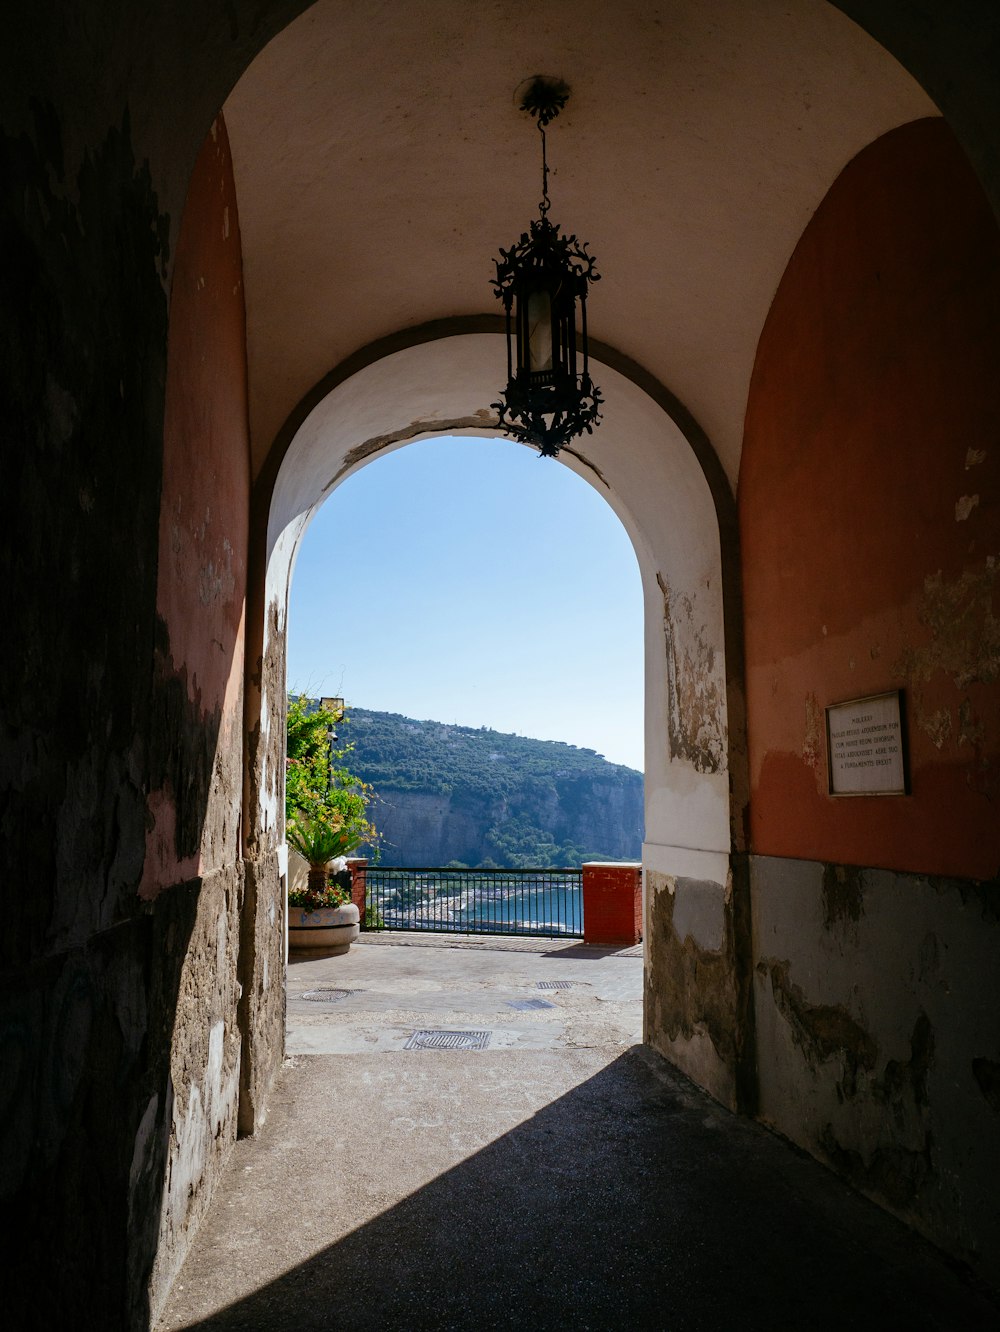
{"type": "Point", "coordinates": [870, 512]}
{"type": "Point", "coordinates": [696, 683]}
{"type": "Point", "coordinates": [869, 523]}
{"type": "Point", "coordinates": [692, 1002]}
{"type": "Point", "coordinates": [878, 1033]}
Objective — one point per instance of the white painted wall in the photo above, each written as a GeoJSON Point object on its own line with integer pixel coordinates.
{"type": "Point", "coordinates": [639, 460]}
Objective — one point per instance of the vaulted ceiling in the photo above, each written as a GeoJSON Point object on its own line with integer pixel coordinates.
{"type": "Point", "coordinates": [381, 161]}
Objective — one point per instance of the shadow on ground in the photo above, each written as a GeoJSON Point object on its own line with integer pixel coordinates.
{"type": "Point", "coordinates": [588, 951]}
{"type": "Point", "coordinates": [631, 1202]}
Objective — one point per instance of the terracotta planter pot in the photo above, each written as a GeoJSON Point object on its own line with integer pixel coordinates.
{"type": "Point", "coordinates": [332, 929]}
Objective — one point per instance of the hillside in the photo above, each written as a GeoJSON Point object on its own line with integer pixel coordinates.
{"type": "Point", "coordinates": [455, 793]}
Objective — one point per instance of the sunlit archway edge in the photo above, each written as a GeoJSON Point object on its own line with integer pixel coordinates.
{"type": "Point", "coordinates": [657, 472]}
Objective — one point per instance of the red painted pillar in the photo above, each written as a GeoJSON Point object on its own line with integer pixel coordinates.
{"type": "Point", "coordinates": [612, 903]}
{"type": "Point", "coordinates": [358, 865]}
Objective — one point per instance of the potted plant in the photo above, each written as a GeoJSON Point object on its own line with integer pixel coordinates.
{"type": "Point", "coordinates": [325, 818]}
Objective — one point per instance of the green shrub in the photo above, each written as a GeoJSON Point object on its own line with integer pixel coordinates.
{"type": "Point", "coordinates": [326, 806]}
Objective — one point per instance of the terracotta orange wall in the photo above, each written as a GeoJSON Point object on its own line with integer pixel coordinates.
{"type": "Point", "coordinates": [868, 502]}
{"type": "Point", "coordinates": [201, 588]}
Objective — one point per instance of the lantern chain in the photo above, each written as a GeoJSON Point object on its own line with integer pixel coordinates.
{"type": "Point", "coordinates": [543, 100]}
{"type": "Point", "coordinates": [543, 207]}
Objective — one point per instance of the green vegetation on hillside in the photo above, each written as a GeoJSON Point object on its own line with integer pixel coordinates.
{"type": "Point", "coordinates": [398, 752]}
{"type": "Point", "coordinates": [531, 802]}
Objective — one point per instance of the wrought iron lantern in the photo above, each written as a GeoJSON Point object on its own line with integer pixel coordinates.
{"type": "Point", "coordinates": [542, 281]}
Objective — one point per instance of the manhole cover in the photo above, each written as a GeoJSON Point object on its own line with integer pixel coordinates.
{"type": "Point", "coordinates": [554, 985]}
{"type": "Point", "coordinates": [524, 1004]}
{"type": "Point", "coordinates": [448, 1040]}
{"type": "Point", "coordinates": [326, 996]}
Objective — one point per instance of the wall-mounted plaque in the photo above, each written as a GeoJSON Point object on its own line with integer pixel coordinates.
{"type": "Point", "coordinates": [866, 746]}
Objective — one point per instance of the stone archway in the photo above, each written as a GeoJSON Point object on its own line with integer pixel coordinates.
{"type": "Point", "coordinates": [647, 468]}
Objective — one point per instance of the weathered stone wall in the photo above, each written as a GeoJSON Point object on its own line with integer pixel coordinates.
{"type": "Point", "coordinates": [202, 1093]}
{"type": "Point", "coordinates": [263, 954]}
{"type": "Point", "coordinates": [122, 708]}
{"type": "Point", "coordinates": [195, 801]}
{"type": "Point", "coordinates": [102, 121]}
{"type": "Point", "coordinates": [262, 980]}
{"type": "Point", "coordinates": [83, 318]}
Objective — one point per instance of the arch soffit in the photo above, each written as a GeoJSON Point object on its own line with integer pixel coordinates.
{"type": "Point", "coordinates": [439, 379]}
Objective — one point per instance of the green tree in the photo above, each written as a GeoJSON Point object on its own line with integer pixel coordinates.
{"type": "Point", "coordinates": [326, 806]}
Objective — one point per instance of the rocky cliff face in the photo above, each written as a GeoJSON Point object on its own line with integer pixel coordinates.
{"type": "Point", "coordinates": [591, 818]}
{"type": "Point", "coordinates": [421, 828]}
{"type": "Point", "coordinates": [458, 793]}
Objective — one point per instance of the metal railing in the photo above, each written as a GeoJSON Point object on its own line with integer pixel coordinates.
{"type": "Point", "coordinates": [541, 902]}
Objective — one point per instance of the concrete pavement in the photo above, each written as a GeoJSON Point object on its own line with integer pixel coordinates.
{"type": "Point", "coordinates": [374, 997]}
{"type": "Point", "coordinates": [561, 1177]}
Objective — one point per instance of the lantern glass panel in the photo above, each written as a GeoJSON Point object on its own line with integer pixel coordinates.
{"type": "Point", "coordinates": [539, 330]}
{"type": "Point", "coordinates": [567, 338]}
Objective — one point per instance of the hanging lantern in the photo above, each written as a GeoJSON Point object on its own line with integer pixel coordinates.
{"type": "Point", "coordinates": [542, 281]}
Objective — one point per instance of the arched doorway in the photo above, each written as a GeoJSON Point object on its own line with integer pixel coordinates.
{"type": "Point", "coordinates": [644, 466]}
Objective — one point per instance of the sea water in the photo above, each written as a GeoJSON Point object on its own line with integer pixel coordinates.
{"type": "Point", "coordinates": [520, 906]}
{"type": "Point", "coordinates": [548, 910]}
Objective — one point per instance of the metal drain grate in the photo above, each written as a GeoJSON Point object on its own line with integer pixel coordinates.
{"type": "Point", "coordinates": [448, 1040]}
{"type": "Point", "coordinates": [523, 1005]}
{"type": "Point", "coordinates": [554, 985]}
{"type": "Point", "coordinates": [326, 995]}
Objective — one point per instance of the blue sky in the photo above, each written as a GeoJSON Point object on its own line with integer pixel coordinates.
{"type": "Point", "coordinates": [469, 580]}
